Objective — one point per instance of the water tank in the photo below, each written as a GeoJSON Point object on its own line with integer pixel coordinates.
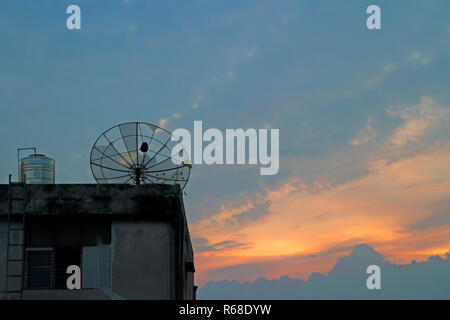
{"type": "Point", "coordinates": [37, 169]}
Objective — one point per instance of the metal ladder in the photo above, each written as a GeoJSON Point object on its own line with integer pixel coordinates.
{"type": "Point", "coordinates": [15, 251]}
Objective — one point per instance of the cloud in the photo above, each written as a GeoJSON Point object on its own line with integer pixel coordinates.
{"type": "Point", "coordinates": [255, 213]}
{"type": "Point", "coordinates": [251, 53]}
{"type": "Point", "coordinates": [438, 218]}
{"type": "Point", "coordinates": [390, 203]}
{"type": "Point", "coordinates": [346, 280]}
{"type": "Point", "coordinates": [199, 241]}
{"type": "Point", "coordinates": [301, 265]}
{"type": "Point", "coordinates": [236, 56]}
{"type": "Point", "coordinates": [296, 219]}
{"type": "Point", "coordinates": [432, 221]}
{"type": "Point", "coordinates": [232, 216]}
{"type": "Point", "coordinates": [163, 122]}
{"type": "Point", "coordinates": [221, 246]}
{"type": "Point", "coordinates": [197, 101]}
{"type": "Point", "coordinates": [230, 75]}
{"type": "Point", "coordinates": [418, 119]}
{"type": "Point", "coordinates": [370, 82]}
{"type": "Point", "coordinates": [379, 77]}
{"type": "Point", "coordinates": [365, 135]}
{"type": "Point", "coordinates": [227, 76]}
{"type": "Point", "coordinates": [419, 59]}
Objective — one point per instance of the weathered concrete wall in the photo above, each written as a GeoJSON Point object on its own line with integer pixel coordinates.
{"type": "Point", "coordinates": [3, 235]}
{"type": "Point", "coordinates": [65, 295]}
{"type": "Point", "coordinates": [142, 260]}
{"type": "Point", "coordinates": [150, 242]}
{"type": "Point", "coordinates": [63, 199]}
{"type": "Point", "coordinates": [141, 265]}
{"type": "Point", "coordinates": [188, 257]}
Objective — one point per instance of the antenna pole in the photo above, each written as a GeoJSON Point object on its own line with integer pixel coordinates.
{"type": "Point", "coordinates": [138, 176]}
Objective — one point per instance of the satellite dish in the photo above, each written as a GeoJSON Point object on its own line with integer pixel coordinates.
{"type": "Point", "coordinates": [138, 153]}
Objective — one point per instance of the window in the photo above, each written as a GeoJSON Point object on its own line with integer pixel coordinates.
{"type": "Point", "coordinates": [45, 268]}
{"type": "Point", "coordinates": [96, 267]}
{"type": "Point", "coordinates": [38, 269]}
{"type": "Point", "coordinates": [65, 257]}
{"type": "Point", "coordinates": [54, 244]}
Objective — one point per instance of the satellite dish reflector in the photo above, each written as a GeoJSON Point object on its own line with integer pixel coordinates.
{"type": "Point", "coordinates": [138, 153]}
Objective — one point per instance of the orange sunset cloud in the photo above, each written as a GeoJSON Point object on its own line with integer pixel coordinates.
{"type": "Point", "coordinates": [397, 208]}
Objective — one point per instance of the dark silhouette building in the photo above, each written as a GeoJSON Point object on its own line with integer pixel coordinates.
{"type": "Point", "coordinates": [130, 242]}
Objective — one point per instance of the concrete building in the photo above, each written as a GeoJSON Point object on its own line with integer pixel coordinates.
{"type": "Point", "coordinates": [130, 242]}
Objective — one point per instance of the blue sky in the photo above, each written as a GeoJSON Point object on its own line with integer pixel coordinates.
{"type": "Point", "coordinates": [309, 68]}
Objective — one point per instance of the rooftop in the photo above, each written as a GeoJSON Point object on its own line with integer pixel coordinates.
{"type": "Point", "coordinates": [152, 200]}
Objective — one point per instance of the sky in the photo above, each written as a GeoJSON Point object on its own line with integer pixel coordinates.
{"type": "Point", "coordinates": [364, 117]}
